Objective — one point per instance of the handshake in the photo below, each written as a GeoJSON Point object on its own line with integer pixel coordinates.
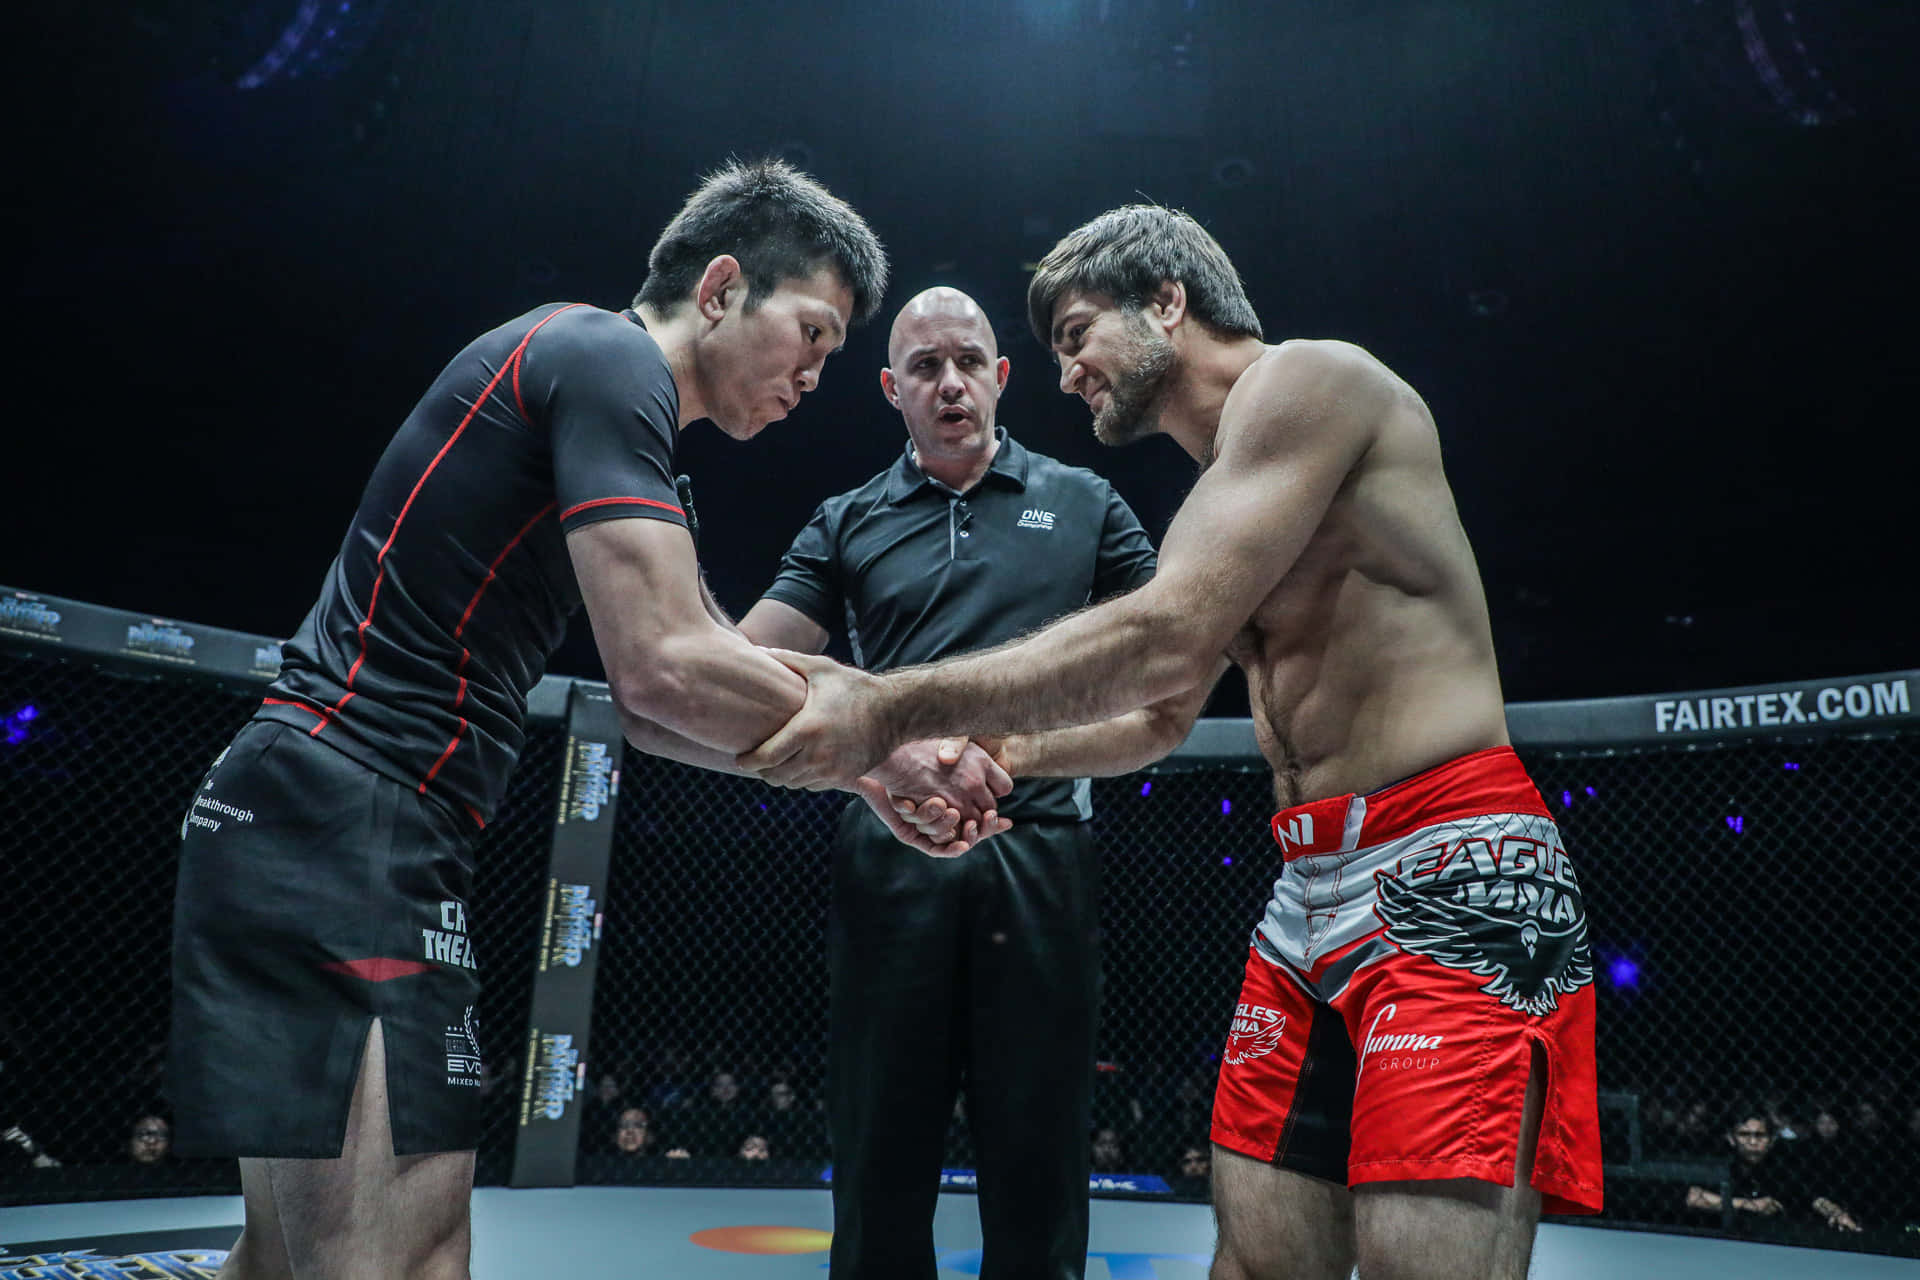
{"type": "Point", "coordinates": [938, 795]}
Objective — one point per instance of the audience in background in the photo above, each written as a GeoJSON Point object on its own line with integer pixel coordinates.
{"type": "Point", "coordinates": [151, 1141]}
{"type": "Point", "coordinates": [1109, 1156]}
{"type": "Point", "coordinates": [1845, 1167]}
{"type": "Point", "coordinates": [1764, 1182]}
{"type": "Point", "coordinates": [1192, 1174]}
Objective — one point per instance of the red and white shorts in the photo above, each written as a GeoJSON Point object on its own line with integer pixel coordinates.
{"type": "Point", "coordinates": [1421, 944]}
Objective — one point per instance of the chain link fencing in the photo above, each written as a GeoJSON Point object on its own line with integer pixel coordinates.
{"type": "Point", "coordinates": [97, 766]}
{"type": "Point", "coordinates": [1749, 903]}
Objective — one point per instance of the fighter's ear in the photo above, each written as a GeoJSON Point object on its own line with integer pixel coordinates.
{"type": "Point", "coordinates": [889, 388]}
{"type": "Point", "coordinates": [1169, 304]}
{"type": "Point", "coordinates": [1002, 368]}
{"type": "Point", "coordinates": [722, 285]}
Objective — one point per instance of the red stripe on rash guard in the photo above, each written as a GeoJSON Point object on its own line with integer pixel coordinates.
{"type": "Point", "coordinates": [378, 968]}
{"type": "Point", "coordinates": [493, 568]}
{"type": "Point", "coordinates": [645, 502]}
{"type": "Point", "coordinates": [461, 696]}
{"type": "Point", "coordinates": [289, 702]}
{"type": "Point", "coordinates": [434, 772]}
{"type": "Point", "coordinates": [373, 598]}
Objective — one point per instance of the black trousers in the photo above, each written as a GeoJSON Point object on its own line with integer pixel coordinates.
{"type": "Point", "coordinates": [982, 969]}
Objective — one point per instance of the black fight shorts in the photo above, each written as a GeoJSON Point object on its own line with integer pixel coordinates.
{"type": "Point", "coordinates": [315, 896]}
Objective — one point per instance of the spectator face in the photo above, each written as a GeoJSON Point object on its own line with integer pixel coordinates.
{"type": "Point", "coordinates": [1751, 1139]}
{"type": "Point", "coordinates": [780, 1096]}
{"type": "Point", "coordinates": [608, 1090]}
{"type": "Point", "coordinates": [634, 1131]}
{"type": "Point", "coordinates": [1106, 1150]}
{"type": "Point", "coordinates": [152, 1139]}
{"type": "Point", "coordinates": [754, 1147]}
{"type": "Point", "coordinates": [724, 1088]}
{"type": "Point", "coordinates": [1195, 1163]}
{"type": "Point", "coordinates": [1866, 1119]}
{"type": "Point", "coordinates": [1827, 1125]}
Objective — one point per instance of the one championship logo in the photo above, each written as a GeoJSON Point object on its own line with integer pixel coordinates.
{"type": "Point", "coordinates": [1255, 1033]}
{"type": "Point", "coordinates": [1517, 919]}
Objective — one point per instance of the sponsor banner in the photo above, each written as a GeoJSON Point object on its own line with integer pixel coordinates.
{"type": "Point", "coordinates": [160, 641]}
{"type": "Point", "coordinates": [191, 1253]}
{"type": "Point", "coordinates": [571, 925]}
{"type": "Point", "coordinates": [1845, 704]}
{"type": "Point", "coordinates": [137, 639]}
{"type": "Point", "coordinates": [31, 617]}
{"type": "Point", "coordinates": [1134, 1183]}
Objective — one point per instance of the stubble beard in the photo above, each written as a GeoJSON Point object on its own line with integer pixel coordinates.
{"type": "Point", "coordinates": [1132, 410]}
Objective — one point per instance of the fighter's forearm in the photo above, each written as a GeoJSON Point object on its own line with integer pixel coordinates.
{"type": "Point", "coordinates": [658, 740]}
{"type": "Point", "coordinates": [1097, 664]}
{"type": "Point", "coordinates": [711, 687]}
{"type": "Point", "coordinates": [1102, 750]}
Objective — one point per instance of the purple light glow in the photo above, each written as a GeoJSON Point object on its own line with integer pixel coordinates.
{"type": "Point", "coordinates": [1226, 805]}
{"type": "Point", "coordinates": [1566, 799]}
{"type": "Point", "coordinates": [1146, 788]}
{"type": "Point", "coordinates": [1736, 822]}
{"type": "Point", "coordinates": [15, 735]}
{"type": "Point", "coordinates": [1624, 972]}
{"type": "Point", "coordinates": [1226, 862]}
{"type": "Point", "coordinates": [1791, 767]}
{"type": "Point", "coordinates": [26, 713]}
{"type": "Point", "coordinates": [1591, 791]}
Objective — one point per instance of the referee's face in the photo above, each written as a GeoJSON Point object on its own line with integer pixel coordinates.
{"type": "Point", "coordinates": [945, 378]}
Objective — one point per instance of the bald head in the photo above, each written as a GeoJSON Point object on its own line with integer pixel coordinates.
{"type": "Point", "coordinates": [938, 311]}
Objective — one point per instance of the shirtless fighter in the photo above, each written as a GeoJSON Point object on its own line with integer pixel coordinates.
{"type": "Point", "coordinates": [1409, 1074]}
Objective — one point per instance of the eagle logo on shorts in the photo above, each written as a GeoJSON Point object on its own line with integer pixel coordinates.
{"type": "Point", "coordinates": [1530, 961]}
{"type": "Point", "coordinates": [1255, 1033]}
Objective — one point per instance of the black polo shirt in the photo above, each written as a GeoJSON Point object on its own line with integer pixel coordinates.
{"type": "Point", "coordinates": [914, 572]}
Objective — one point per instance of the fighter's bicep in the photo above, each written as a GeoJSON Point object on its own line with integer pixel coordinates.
{"type": "Point", "coordinates": [639, 582]}
{"type": "Point", "coordinates": [1282, 459]}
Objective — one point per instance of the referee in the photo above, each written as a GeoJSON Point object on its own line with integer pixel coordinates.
{"type": "Point", "coordinates": [981, 969]}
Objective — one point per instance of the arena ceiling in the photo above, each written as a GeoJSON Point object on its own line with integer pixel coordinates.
{"type": "Point", "coordinates": [1643, 261]}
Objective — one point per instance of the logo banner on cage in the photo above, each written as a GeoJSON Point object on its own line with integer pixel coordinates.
{"type": "Point", "coordinates": [571, 921]}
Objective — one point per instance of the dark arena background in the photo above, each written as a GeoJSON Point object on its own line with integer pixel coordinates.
{"type": "Point", "coordinates": [1642, 260]}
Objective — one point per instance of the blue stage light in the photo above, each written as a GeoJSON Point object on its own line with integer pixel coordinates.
{"type": "Point", "coordinates": [1736, 822]}
{"type": "Point", "coordinates": [1146, 788]}
{"type": "Point", "coordinates": [1226, 805]}
{"type": "Point", "coordinates": [1623, 972]}
{"type": "Point", "coordinates": [1226, 862]}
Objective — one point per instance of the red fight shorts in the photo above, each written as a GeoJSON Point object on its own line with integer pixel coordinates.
{"type": "Point", "coordinates": [1422, 943]}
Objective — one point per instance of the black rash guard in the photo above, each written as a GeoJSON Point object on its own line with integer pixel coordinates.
{"type": "Point", "coordinates": [453, 585]}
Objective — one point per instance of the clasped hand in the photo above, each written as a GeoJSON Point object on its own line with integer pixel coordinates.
{"type": "Point", "coordinates": [938, 797]}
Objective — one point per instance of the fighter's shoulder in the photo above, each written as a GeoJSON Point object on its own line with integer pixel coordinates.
{"type": "Point", "coordinates": [581, 326]}
{"type": "Point", "coordinates": [1319, 382]}
{"type": "Point", "coordinates": [1314, 368]}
